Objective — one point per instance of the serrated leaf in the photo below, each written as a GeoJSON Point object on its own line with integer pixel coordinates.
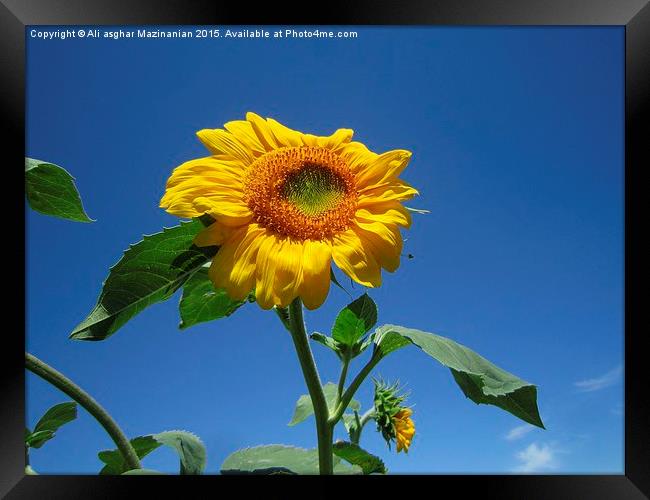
{"type": "Point", "coordinates": [50, 190]}
{"type": "Point", "coordinates": [115, 463]}
{"type": "Point", "coordinates": [355, 320]}
{"type": "Point", "coordinates": [201, 301]}
{"type": "Point", "coordinates": [39, 438]}
{"type": "Point", "coordinates": [150, 271]}
{"type": "Point", "coordinates": [305, 408]}
{"type": "Point", "coordinates": [279, 459]}
{"type": "Point", "coordinates": [479, 379]}
{"type": "Point", "coordinates": [354, 454]}
{"type": "Point", "coordinates": [189, 448]}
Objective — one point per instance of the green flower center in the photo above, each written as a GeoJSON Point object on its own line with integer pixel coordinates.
{"type": "Point", "coordinates": [306, 193]}
{"type": "Point", "coordinates": [313, 189]}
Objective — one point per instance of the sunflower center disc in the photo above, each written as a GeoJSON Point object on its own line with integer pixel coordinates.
{"type": "Point", "coordinates": [301, 192]}
{"type": "Point", "coordinates": [314, 189]}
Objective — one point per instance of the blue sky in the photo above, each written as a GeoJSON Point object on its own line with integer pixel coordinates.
{"type": "Point", "coordinates": [517, 141]}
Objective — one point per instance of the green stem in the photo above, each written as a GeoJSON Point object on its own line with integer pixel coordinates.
{"type": "Point", "coordinates": [344, 373]}
{"type": "Point", "coordinates": [283, 314]}
{"type": "Point", "coordinates": [365, 418]}
{"type": "Point", "coordinates": [349, 393]}
{"type": "Point", "coordinates": [66, 385]}
{"type": "Point", "coordinates": [312, 379]}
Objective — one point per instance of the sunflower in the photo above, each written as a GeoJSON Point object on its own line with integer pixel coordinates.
{"type": "Point", "coordinates": [404, 429]}
{"type": "Point", "coordinates": [392, 418]}
{"type": "Point", "coordinates": [286, 204]}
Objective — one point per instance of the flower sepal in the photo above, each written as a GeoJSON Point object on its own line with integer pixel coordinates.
{"type": "Point", "coordinates": [392, 418]}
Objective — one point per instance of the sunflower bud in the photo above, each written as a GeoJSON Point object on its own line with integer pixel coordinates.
{"type": "Point", "coordinates": [393, 419]}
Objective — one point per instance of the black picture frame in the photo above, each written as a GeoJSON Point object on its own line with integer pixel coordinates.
{"type": "Point", "coordinates": [634, 15]}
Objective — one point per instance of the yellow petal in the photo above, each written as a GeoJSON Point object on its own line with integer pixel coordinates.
{"type": "Point", "coordinates": [311, 140]}
{"type": "Point", "coordinates": [356, 260]}
{"type": "Point", "coordinates": [243, 131]}
{"type": "Point", "coordinates": [213, 235]}
{"type": "Point", "coordinates": [385, 168]}
{"type": "Point", "coordinates": [390, 212]}
{"type": "Point", "coordinates": [223, 143]}
{"type": "Point", "coordinates": [337, 139]}
{"type": "Point", "coordinates": [265, 271]}
{"type": "Point", "coordinates": [262, 131]}
{"type": "Point", "coordinates": [228, 212]}
{"type": "Point", "coordinates": [383, 240]}
{"type": "Point", "coordinates": [288, 271]}
{"type": "Point", "coordinates": [357, 156]}
{"type": "Point", "coordinates": [315, 283]}
{"type": "Point", "coordinates": [242, 272]}
{"type": "Point", "coordinates": [222, 262]}
{"type": "Point", "coordinates": [405, 413]}
{"type": "Point", "coordinates": [233, 267]}
{"type": "Point", "coordinates": [284, 136]}
{"type": "Point", "coordinates": [200, 178]}
{"type": "Point", "coordinates": [396, 190]}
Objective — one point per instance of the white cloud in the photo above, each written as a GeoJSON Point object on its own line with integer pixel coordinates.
{"type": "Point", "coordinates": [518, 432]}
{"type": "Point", "coordinates": [595, 384]}
{"type": "Point", "coordinates": [536, 458]}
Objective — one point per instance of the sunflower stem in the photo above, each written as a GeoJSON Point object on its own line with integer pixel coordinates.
{"type": "Point", "coordinates": [352, 388]}
{"type": "Point", "coordinates": [61, 382]}
{"type": "Point", "coordinates": [323, 429]}
{"type": "Point", "coordinates": [344, 373]}
{"type": "Point", "coordinates": [361, 422]}
{"type": "Point", "coordinates": [283, 314]}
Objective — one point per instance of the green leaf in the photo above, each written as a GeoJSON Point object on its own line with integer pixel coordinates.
{"type": "Point", "coordinates": [189, 447]}
{"type": "Point", "coordinates": [38, 439]}
{"type": "Point", "coordinates": [51, 191]}
{"type": "Point", "coordinates": [327, 342]}
{"type": "Point", "coordinates": [57, 416]}
{"type": "Point", "coordinates": [349, 421]}
{"type": "Point", "coordinates": [352, 453]}
{"type": "Point", "coordinates": [362, 346]}
{"type": "Point", "coordinates": [304, 407]}
{"type": "Point", "coordinates": [150, 271]}
{"type": "Point", "coordinates": [201, 301]}
{"type": "Point", "coordinates": [279, 459]}
{"type": "Point", "coordinates": [115, 464]}
{"type": "Point", "coordinates": [50, 422]}
{"type": "Point", "coordinates": [480, 380]}
{"type": "Point", "coordinates": [142, 472]}
{"type": "Point", "coordinates": [355, 320]}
